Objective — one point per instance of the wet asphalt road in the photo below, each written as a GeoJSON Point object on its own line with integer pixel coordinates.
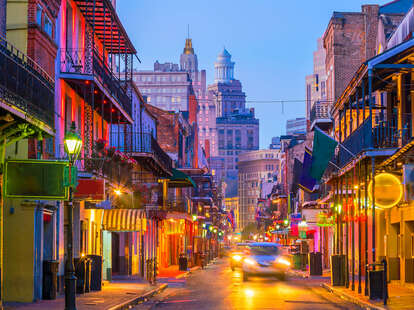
{"type": "Point", "coordinates": [218, 288]}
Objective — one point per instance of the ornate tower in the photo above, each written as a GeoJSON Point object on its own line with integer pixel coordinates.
{"type": "Point", "coordinates": [224, 67]}
{"type": "Point", "coordinates": [188, 60]}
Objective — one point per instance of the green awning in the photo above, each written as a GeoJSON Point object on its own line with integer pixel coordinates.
{"type": "Point", "coordinates": [180, 179]}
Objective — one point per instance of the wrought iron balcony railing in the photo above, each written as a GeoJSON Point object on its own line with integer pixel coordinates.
{"type": "Point", "coordinates": [385, 134]}
{"type": "Point", "coordinates": [178, 204]}
{"type": "Point", "coordinates": [138, 143]}
{"type": "Point", "coordinates": [320, 110]}
{"type": "Point", "coordinates": [25, 85]}
{"type": "Point", "coordinates": [88, 62]}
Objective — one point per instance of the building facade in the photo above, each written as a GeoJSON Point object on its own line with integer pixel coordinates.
{"type": "Point", "coordinates": [296, 126]}
{"type": "Point", "coordinates": [316, 104]}
{"type": "Point", "coordinates": [255, 169]}
{"type": "Point", "coordinates": [237, 127]}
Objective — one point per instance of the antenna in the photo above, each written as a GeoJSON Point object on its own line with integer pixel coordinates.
{"type": "Point", "coordinates": [188, 31]}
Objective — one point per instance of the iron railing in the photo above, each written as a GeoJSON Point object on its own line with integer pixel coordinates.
{"type": "Point", "coordinates": [139, 142]}
{"type": "Point", "coordinates": [385, 134]}
{"type": "Point", "coordinates": [320, 110]}
{"type": "Point", "coordinates": [90, 62]}
{"type": "Point", "coordinates": [25, 85]}
{"type": "Point", "coordinates": [178, 204]}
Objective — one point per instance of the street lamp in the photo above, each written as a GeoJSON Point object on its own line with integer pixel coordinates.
{"type": "Point", "coordinates": [73, 146]}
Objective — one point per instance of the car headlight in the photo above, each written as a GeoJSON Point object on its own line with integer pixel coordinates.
{"type": "Point", "coordinates": [250, 261]}
{"type": "Point", "coordinates": [237, 258]}
{"type": "Point", "coordinates": [283, 261]}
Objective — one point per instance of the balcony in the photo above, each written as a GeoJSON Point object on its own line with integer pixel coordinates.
{"type": "Point", "coordinates": [87, 65]}
{"type": "Point", "coordinates": [144, 148]}
{"type": "Point", "coordinates": [319, 115]}
{"type": "Point", "coordinates": [26, 90]}
{"type": "Point", "coordinates": [178, 204]}
{"type": "Point", "coordinates": [383, 135]}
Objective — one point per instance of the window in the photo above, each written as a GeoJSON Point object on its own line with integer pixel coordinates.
{"type": "Point", "coordinates": [39, 15]}
{"type": "Point", "coordinates": [48, 26]}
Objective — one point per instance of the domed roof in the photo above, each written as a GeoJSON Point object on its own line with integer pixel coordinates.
{"type": "Point", "coordinates": [224, 53]}
{"type": "Point", "coordinates": [224, 57]}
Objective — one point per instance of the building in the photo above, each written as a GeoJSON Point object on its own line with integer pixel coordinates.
{"type": "Point", "coordinates": [296, 126]}
{"type": "Point", "coordinates": [169, 86]}
{"type": "Point", "coordinates": [237, 127]}
{"type": "Point", "coordinates": [27, 120]}
{"type": "Point", "coordinates": [317, 107]}
{"type": "Point", "coordinates": [255, 168]}
{"type": "Point", "coordinates": [351, 38]}
{"type": "Point", "coordinates": [232, 204]}
{"type": "Point", "coordinates": [165, 87]}
{"type": "Point", "coordinates": [275, 145]}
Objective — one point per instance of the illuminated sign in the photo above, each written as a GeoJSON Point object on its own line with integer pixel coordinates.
{"type": "Point", "coordinates": [388, 190]}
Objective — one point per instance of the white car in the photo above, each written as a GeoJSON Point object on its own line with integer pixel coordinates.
{"type": "Point", "coordinates": [265, 259]}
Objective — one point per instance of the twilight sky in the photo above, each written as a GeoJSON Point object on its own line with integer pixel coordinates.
{"type": "Point", "coordinates": [271, 42]}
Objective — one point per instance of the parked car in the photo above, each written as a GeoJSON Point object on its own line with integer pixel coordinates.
{"type": "Point", "coordinates": [265, 259]}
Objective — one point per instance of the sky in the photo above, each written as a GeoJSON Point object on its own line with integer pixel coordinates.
{"type": "Point", "coordinates": [271, 41]}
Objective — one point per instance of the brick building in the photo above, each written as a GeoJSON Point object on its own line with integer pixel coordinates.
{"type": "Point", "coordinates": [351, 38]}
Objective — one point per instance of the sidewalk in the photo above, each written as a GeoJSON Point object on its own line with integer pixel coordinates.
{"type": "Point", "coordinates": [120, 294]}
{"type": "Point", "coordinates": [173, 272]}
{"type": "Point", "coordinates": [400, 297]}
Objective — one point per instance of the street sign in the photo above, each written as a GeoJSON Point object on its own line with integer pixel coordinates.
{"type": "Point", "coordinates": [35, 179]}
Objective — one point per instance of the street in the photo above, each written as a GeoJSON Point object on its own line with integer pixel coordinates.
{"type": "Point", "coordinates": [217, 287]}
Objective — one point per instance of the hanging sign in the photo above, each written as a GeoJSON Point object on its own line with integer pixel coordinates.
{"type": "Point", "coordinates": [388, 190]}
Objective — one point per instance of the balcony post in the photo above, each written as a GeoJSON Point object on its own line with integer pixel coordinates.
{"type": "Point", "coordinates": [370, 103]}
{"type": "Point", "coordinates": [353, 228]}
{"type": "Point", "coordinates": [366, 225]}
{"type": "Point", "coordinates": [346, 207]}
{"type": "Point", "coordinates": [351, 119]}
{"type": "Point", "coordinates": [102, 114]}
{"type": "Point", "coordinates": [373, 207]}
{"type": "Point", "coordinates": [341, 235]}
{"type": "Point", "coordinates": [359, 229]}
{"type": "Point", "coordinates": [357, 106]}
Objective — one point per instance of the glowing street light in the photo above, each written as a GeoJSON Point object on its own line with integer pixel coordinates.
{"type": "Point", "coordinates": [73, 146]}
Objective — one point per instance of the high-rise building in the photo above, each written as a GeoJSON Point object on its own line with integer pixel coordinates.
{"type": "Point", "coordinates": [169, 85]}
{"type": "Point", "coordinates": [316, 104]}
{"type": "Point", "coordinates": [275, 145]}
{"type": "Point", "coordinates": [237, 127]}
{"type": "Point", "coordinates": [255, 169]}
{"type": "Point", "coordinates": [296, 126]}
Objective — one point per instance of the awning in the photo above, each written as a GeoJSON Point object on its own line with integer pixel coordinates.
{"type": "Point", "coordinates": [180, 179]}
{"type": "Point", "coordinates": [124, 220]}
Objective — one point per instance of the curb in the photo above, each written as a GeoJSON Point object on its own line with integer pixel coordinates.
{"type": "Point", "coordinates": [136, 300]}
{"type": "Point", "coordinates": [187, 273]}
{"type": "Point", "coordinates": [348, 297]}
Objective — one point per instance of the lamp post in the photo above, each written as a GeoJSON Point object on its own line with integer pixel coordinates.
{"type": "Point", "coordinates": [73, 145]}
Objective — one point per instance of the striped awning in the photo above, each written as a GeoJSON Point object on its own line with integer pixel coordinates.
{"type": "Point", "coordinates": [124, 220]}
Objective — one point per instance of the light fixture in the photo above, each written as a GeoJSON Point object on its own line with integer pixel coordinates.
{"type": "Point", "coordinates": [117, 192]}
{"type": "Point", "coordinates": [388, 190]}
{"type": "Point", "coordinates": [73, 143]}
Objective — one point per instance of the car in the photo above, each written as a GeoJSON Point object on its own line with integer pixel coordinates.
{"type": "Point", "coordinates": [237, 256]}
{"type": "Point", "coordinates": [265, 259]}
